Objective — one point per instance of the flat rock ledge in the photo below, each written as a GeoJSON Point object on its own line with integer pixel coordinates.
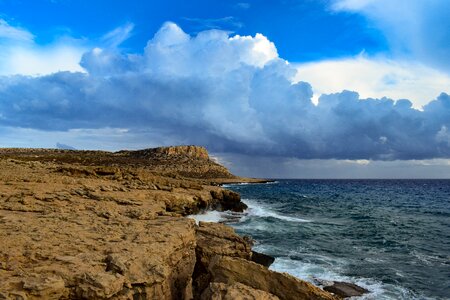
{"type": "Point", "coordinates": [345, 289]}
{"type": "Point", "coordinates": [100, 225]}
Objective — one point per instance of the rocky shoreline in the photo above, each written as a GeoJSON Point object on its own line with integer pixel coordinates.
{"type": "Point", "coordinates": [103, 225]}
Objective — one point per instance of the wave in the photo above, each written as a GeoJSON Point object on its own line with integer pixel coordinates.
{"type": "Point", "coordinates": [227, 185]}
{"type": "Point", "coordinates": [217, 216]}
{"type": "Point", "coordinates": [375, 234]}
{"type": "Point", "coordinates": [256, 209]}
{"type": "Point", "coordinates": [208, 216]}
{"type": "Point", "coordinates": [313, 273]}
{"type": "Point", "coordinates": [323, 269]}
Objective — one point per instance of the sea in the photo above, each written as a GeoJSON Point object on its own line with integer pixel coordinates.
{"type": "Point", "coordinates": [391, 237]}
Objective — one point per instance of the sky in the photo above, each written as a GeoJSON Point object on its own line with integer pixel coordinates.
{"type": "Point", "coordinates": [278, 88]}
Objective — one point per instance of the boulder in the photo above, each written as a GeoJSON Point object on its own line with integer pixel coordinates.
{"type": "Point", "coordinates": [228, 200]}
{"type": "Point", "coordinates": [230, 270]}
{"type": "Point", "coordinates": [262, 259]}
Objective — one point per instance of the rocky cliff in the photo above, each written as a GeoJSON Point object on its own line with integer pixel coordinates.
{"type": "Point", "coordinates": [102, 225]}
{"type": "Point", "coordinates": [196, 152]}
{"type": "Point", "coordinates": [181, 161]}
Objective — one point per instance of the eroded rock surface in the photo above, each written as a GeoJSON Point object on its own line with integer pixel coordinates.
{"type": "Point", "coordinates": [235, 291]}
{"type": "Point", "coordinates": [172, 151]}
{"type": "Point", "coordinates": [102, 225]}
{"type": "Point", "coordinates": [230, 270]}
{"type": "Point", "coordinates": [82, 225]}
{"type": "Point", "coordinates": [216, 239]}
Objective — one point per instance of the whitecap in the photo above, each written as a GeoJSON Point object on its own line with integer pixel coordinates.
{"type": "Point", "coordinates": [310, 272]}
{"type": "Point", "coordinates": [208, 216]}
{"type": "Point", "coordinates": [217, 216]}
{"type": "Point", "coordinates": [228, 185]}
{"type": "Point", "coordinates": [259, 210]}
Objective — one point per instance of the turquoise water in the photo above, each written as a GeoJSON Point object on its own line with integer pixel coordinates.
{"type": "Point", "coordinates": [390, 236]}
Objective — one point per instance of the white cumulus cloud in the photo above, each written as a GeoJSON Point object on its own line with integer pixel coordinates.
{"type": "Point", "coordinates": [231, 93]}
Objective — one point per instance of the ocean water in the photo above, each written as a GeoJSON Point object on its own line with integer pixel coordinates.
{"type": "Point", "coordinates": [389, 236]}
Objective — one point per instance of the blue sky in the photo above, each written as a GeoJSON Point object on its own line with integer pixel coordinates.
{"type": "Point", "coordinates": [325, 88]}
{"type": "Point", "coordinates": [288, 24]}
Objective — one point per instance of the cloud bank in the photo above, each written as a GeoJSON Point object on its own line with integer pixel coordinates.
{"type": "Point", "coordinates": [233, 94]}
{"type": "Point", "coordinates": [375, 77]}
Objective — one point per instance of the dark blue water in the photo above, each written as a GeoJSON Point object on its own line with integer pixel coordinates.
{"type": "Point", "coordinates": [390, 236]}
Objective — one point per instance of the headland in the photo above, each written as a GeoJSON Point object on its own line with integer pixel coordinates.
{"type": "Point", "coordinates": [112, 225]}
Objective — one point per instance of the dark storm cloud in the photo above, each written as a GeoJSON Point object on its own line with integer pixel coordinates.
{"type": "Point", "coordinates": [232, 94]}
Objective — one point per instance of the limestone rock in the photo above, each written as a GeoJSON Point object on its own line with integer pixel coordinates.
{"type": "Point", "coordinates": [190, 151]}
{"type": "Point", "coordinates": [188, 161]}
{"type": "Point", "coordinates": [230, 270]}
{"type": "Point", "coordinates": [228, 200]}
{"type": "Point", "coordinates": [79, 247]}
{"type": "Point", "coordinates": [102, 225]}
{"type": "Point", "coordinates": [219, 239]}
{"type": "Point", "coordinates": [235, 291]}
{"type": "Point", "coordinates": [215, 239]}
{"type": "Point", "coordinates": [98, 285]}
{"type": "Point", "coordinates": [48, 287]}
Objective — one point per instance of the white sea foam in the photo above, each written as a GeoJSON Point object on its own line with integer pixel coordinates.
{"type": "Point", "coordinates": [217, 216]}
{"type": "Point", "coordinates": [255, 209]}
{"type": "Point", "coordinates": [208, 216]}
{"type": "Point", "coordinates": [329, 270]}
{"type": "Point", "coordinates": [309, 272]}
{"type": "Point", "coordinates": [258, 210]}
{"type": "Point", "coordinates": [227, 185]}
{"type": "Point", "coordinates": [429, 259]}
